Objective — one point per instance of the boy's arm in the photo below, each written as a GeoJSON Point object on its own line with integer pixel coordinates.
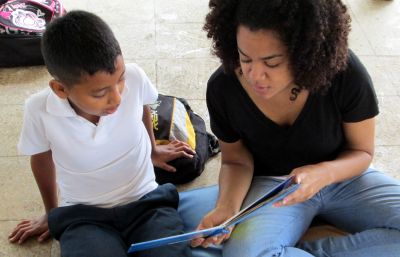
{"type": "Point", "coordinates": [161, 154]}
{"type": "Point", "coordinates": [45, 175]}
{"type": "Point", "coordinates": [43, 169]}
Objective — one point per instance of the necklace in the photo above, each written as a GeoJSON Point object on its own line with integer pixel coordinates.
{"type": "Point", "coordinates": [295, 91]}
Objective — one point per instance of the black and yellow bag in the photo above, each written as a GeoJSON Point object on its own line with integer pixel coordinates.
{"type": "Point", "coordinates": [173, 119]}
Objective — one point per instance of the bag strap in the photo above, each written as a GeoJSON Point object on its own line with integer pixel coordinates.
{"type": "Point", "coordinates": [213, 145]}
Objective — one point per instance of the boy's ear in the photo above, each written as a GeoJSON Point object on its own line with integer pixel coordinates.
{"type": "Point", "coordinates": [59, 89]}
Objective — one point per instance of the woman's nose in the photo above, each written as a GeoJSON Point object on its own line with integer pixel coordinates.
{"type": "Point", "coordinates": [257, 72]}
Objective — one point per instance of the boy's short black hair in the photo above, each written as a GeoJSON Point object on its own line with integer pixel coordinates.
{"type": "Point", "coordinates": [77, 44]}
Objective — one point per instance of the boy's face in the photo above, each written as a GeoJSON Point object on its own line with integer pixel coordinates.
{"type": "Point", "coordinates": [96, 95]}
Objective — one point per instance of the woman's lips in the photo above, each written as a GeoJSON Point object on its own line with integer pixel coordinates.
{"type": "Point", "coordinates": [261, 88]}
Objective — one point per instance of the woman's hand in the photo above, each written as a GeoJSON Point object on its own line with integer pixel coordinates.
{"type": "Point", "coordinates": [29, 228]}
{"type": "Point", "coordinates": [212, 219]}
{"type": "Point", "coordinates": [162, 154]}
{"type": "Point", "coordinates": [312, 178]}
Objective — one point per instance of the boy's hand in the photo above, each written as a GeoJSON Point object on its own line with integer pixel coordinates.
{"type": "Point", "coordinates": [29, 228]}
{"type": "Point", "coordinates": [212, 219]}
{"type": "Point", "coordinates": [165, 153]}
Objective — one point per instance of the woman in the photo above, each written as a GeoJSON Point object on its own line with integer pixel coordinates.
{"type": "Point", "coordinates": [292, 99]}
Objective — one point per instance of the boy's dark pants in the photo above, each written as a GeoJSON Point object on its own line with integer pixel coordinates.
{"type": "Point", "coordinates": [86, 231]}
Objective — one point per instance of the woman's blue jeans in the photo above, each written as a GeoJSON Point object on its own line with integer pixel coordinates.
{"type": "Point", "coordinates": [368, 207]}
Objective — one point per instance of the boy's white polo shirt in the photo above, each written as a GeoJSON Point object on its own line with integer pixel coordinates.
{"type": "Point", "coordinates": [105, 165]}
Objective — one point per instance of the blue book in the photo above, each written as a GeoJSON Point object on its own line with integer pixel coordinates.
{"type": "Point", "coordinates": [274, 195]}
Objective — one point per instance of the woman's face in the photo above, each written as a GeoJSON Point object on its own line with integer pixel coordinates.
{"type": "Point", "coordinates": [264, 62]}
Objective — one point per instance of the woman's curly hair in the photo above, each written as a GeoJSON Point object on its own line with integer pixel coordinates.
{"type": "Point", "coordinates": [314, 31]}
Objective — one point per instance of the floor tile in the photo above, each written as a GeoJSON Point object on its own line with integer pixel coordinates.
{"type": "Point", "coordinates": [388, 121]}
{"type": "Point", "coordinates": [387, 159]}
{"type": "Point", "coordinates": [122, 11]}
{"type": "Point", "coordinates": [185, 40]}
{"type": "Point", "coordinates": [70, 5]}
{"type": "Point", "coordinates": [10, 96]}
{"type": "Point", "coordinates": [358, 42]}
{"type": "Point", "coordinates": [384, 67]}
{"type": "Point", "coordinates": [148, 66]}
{"type": "Point", "coordinates": [137, 41]}
{"type": "Point", "coordinates": [11, 119]}
{"type": "Point", "coordinates": [17, 84]}
{"type": "Point", "coordinates": [20, 197]}
{"type": "Point", "coordinates": [397, 86]}
{"type": "Point", "coordinates": [114, 12]}
{"type": "Point", "coordinates": [380, 20]}
{"type": "Point", "coordinates": [26, 75]}
{"type": "Point", "coordinates": [185, 77]}
{"type": "Point", "coordinates": [167, 11]}
{"type": "Point", "coordinates": [384, 73]}
{"type": "Point", "coordinates": [55, 249]}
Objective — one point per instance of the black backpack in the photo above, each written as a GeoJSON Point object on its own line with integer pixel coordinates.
{"type": "Point", "coordinates": [22, 23]}
{"type": "Point", "coordinates": [174, 119]}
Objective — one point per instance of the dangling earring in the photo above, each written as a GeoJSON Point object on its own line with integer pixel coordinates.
{"type": "Point", "coordinates": [295, 91]}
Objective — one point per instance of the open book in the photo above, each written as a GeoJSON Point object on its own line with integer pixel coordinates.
{"type": "Point", "coordinates": [274, 195]}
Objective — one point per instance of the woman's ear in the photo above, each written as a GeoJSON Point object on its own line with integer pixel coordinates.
{"type": "Point", "coordinates": [59, 89]}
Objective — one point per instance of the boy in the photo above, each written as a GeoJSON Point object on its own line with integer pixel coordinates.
{"type": "Point", "coordinates": [91, 131]}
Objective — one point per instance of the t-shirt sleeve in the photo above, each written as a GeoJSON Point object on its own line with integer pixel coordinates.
{"type": "Point", "coordinates": [356, 95]}
{"type": "Point", "coordinates": [33, 137]}
{"type": "Point", "coordinates": [149, 91]}
{"type": "Point", "coordinates": [217, 104]}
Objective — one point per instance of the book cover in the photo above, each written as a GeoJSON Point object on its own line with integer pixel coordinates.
{"type": "Point", "coordinates": [274, 195]}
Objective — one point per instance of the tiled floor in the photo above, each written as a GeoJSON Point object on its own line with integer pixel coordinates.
{"type": "Point", "coordinates": [165, 38]}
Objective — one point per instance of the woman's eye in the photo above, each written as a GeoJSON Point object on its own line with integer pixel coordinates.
{"type": "Point", "coordinates": [245, 61]}
{"type": "Point", "coordinates": [271, 65]}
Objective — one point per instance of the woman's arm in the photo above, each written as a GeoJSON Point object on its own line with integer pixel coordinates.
{"type": "Point", "coordinates": [358, 154]}
{"type": "Point", "coordinates": [234, 182]}
{"type": "Point", "coordinates": [235, 175]}
{"type": "Point", "coordinates": [355, 159]}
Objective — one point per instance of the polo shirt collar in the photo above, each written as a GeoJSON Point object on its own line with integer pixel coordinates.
{"type": "Point", "coordinates": [59, 107]}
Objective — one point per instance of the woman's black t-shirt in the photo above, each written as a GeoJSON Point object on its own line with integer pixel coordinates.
{"type": "Point", "coordinates": [315, 136]}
